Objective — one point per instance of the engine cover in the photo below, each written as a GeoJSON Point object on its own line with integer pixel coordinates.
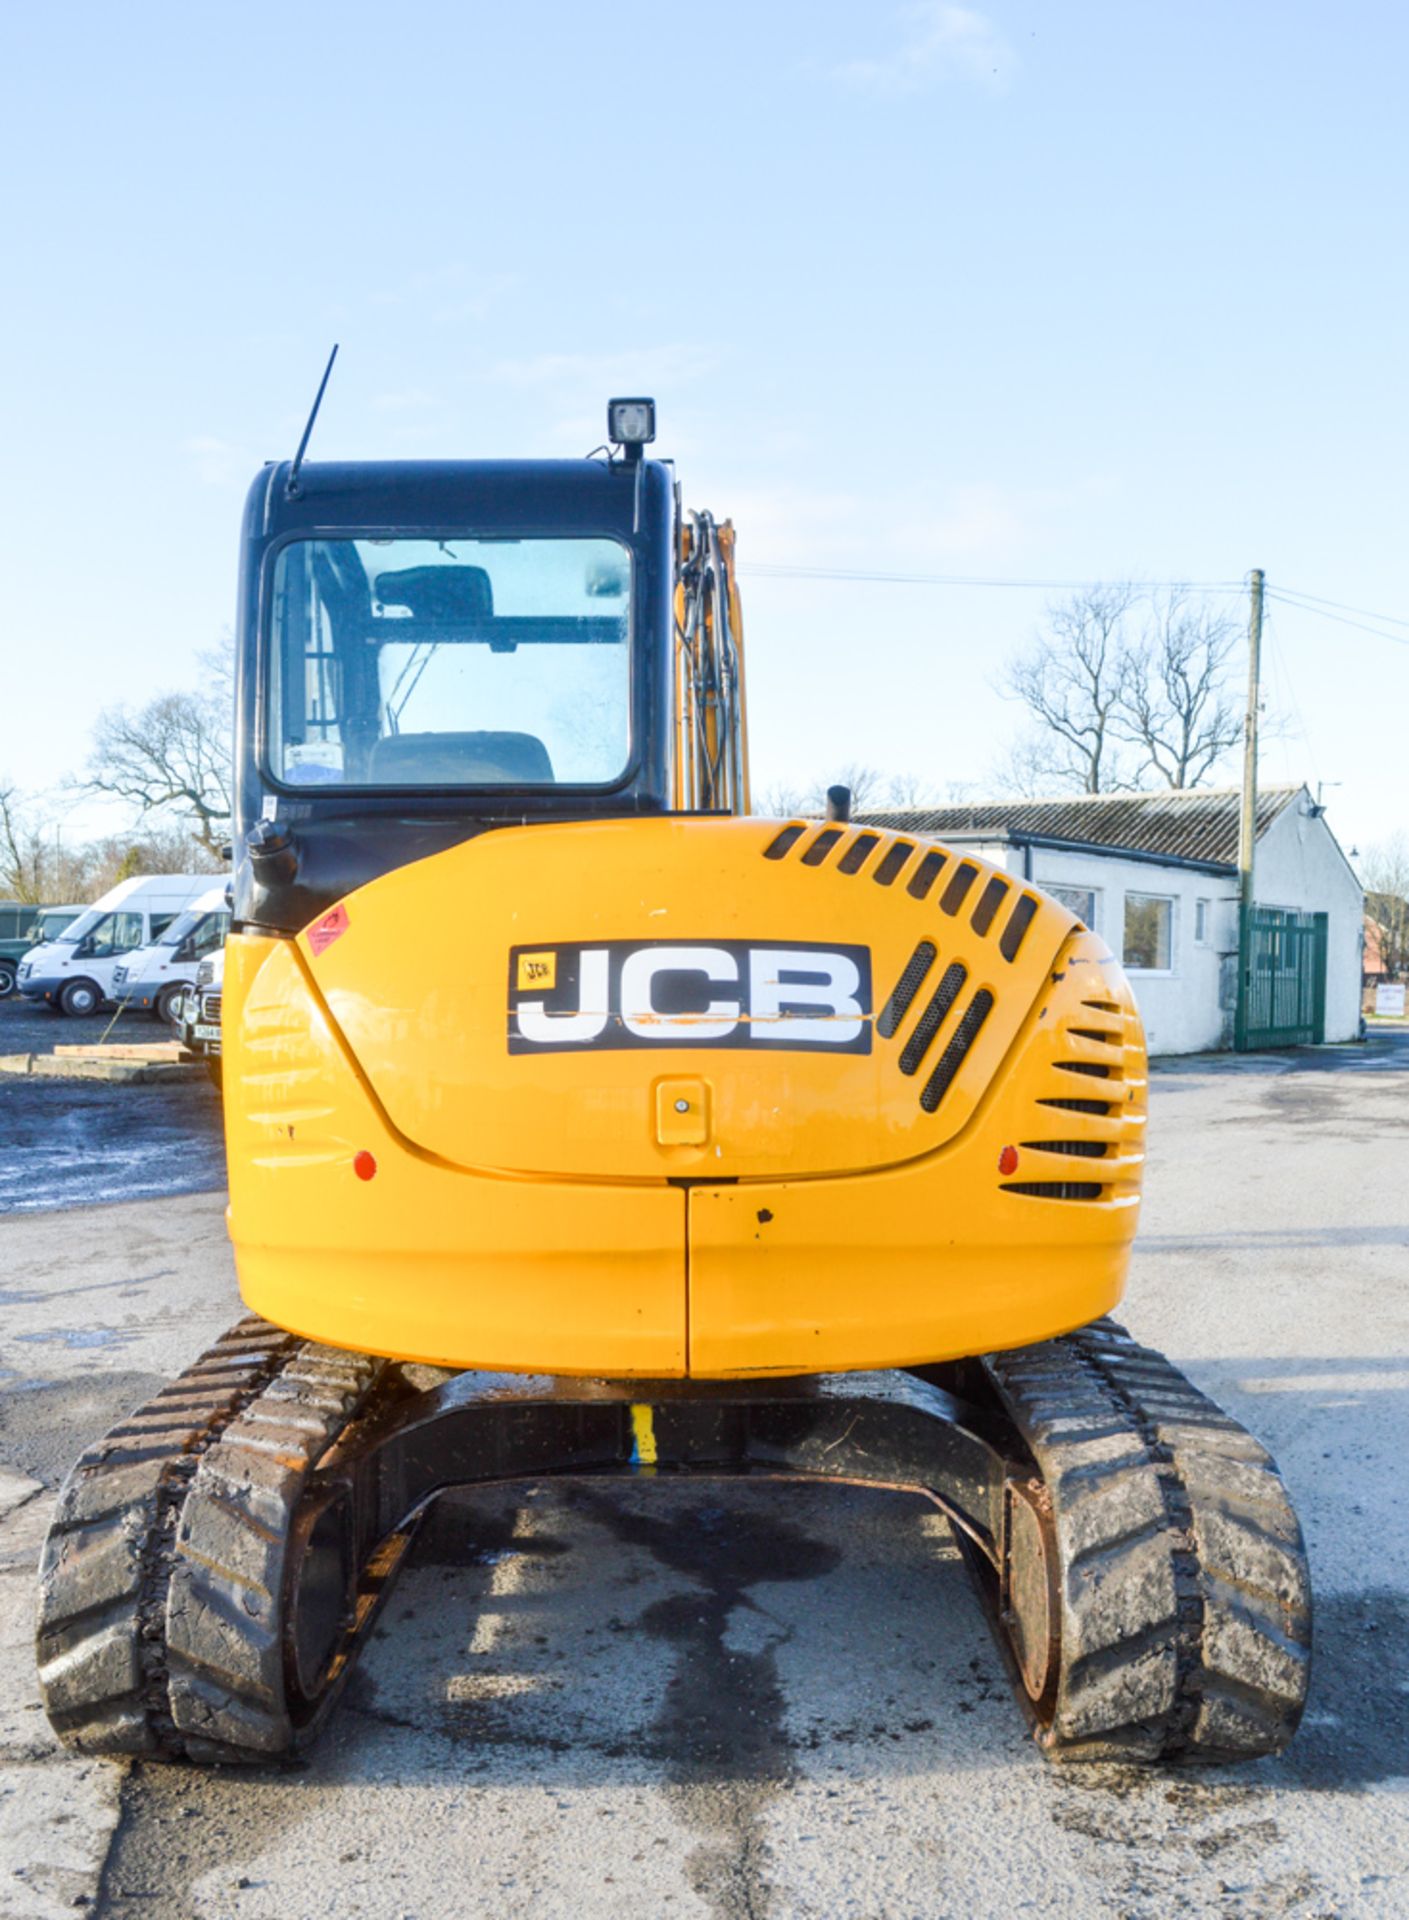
{"type": "Point", "coordinates": [684, 998]}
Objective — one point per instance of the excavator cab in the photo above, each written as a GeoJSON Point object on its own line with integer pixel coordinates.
{"type": "Point", "coordinates": [430, 650]}
{"type": "Point", "coordinates": [668, 1138]}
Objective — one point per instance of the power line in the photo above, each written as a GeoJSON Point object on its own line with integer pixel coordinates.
{"type": "Point", "coordinates": [1341, 620]}
{"type": "Point", "coordinates": [1282, 669]}
{"type": "Point", "coordinates": [1289, 596]}
{"type": "Point", "coordinates": [768, 570]}
{"type": "Point", "coordinates": [1386, 619]}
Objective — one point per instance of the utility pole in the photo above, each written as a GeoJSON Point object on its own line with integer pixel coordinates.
{"type": "Point", "coordinates": [1247, 825]}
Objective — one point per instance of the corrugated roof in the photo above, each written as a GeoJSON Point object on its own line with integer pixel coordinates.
{"type": "Point", "coordinates": [1184, 824]}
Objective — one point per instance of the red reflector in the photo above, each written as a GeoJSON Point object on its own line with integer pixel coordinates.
{"type": "Point", "coordinates": [364, 1166]}
{"type": "Point", "coordinates": [323, 932]}
{"type": "Point", "coordinates": [1008, 1160]}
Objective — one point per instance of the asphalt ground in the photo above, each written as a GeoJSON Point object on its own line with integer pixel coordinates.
{"type": "Point", "coordinates": [741, 1702]}
{"type": "Point", "coordinates": [68, 1143]}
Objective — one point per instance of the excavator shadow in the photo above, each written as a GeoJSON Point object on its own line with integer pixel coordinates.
{"type": "Point", "coordinates": [726, 1629]}
{"type": "Point", "coordinates": [704, 1631]}
{"type": "Point", "coordinates": [611, 1632]}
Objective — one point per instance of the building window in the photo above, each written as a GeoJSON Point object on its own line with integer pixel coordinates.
{"type": "Point", "coordinates": [1078, 900]}
{"type": "Point", "coordinates": [1202, 909]}
{"type": "Point", "coordinates": [1149, 932]}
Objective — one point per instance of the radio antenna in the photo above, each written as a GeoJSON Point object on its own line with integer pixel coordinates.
{"type": "Point", "coordinates": [291, 489]}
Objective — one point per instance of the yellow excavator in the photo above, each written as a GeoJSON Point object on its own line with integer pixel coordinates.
{"type": "Point", "coordinates": [581, 1122]}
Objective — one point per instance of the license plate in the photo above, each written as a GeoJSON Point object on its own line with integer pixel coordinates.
{"type": "Point", "coordinates": [206, 1033]}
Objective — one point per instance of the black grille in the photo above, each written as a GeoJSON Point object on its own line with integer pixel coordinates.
{"type": "Point", "coordinates": [954, 1054]}
{"type": "Point", "coordinates": [858, 852]}
{"type": "Point", "coordinates": [891, 864]}
{"type": "Point", "coordinates": [1091, 1067]}
{"type": "Point", "coordinates": [929, 1022]}
{"type": "Point", "coordinates": [1084, 1149]}
{"type": "Point", "coordinates": [1019, 920]}
{"type": "Point", "coordinates": [1102, 1006]}
{"type": "Point", "coordinates": [925, 875]}
{"type": "Point", "coordinates": [1078, 1106]}
{"type": "Point", "coordinates": [783, 844]}
{"type": "Point", "coordinates": [906, 987]}
{"type": "Point", "coordinates": [1056, 1189]}
{"type": "Point", "coordinates": [821, 846]}
{"type": "Point", "coordinates": [989, 901]}
{"type": "Point", "coordinates": [1106, 1038]}
{"type": "Point", "coordinates": [965, 875]}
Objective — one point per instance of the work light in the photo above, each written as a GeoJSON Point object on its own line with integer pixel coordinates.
{"type": "Point", "coordinates": [631, 423]}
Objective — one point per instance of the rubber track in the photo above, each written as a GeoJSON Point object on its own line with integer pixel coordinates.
{"type": "Point", "coordinates": [1183, 1594]}
{"type": "Point", "coordinates": [162, 1574]}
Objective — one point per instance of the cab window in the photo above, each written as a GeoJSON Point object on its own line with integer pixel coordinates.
{"type": "Point", "coordinates": [450, 663]}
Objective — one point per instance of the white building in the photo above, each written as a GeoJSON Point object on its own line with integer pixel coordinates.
{"type": "Point", "coordinates": [1156, 875]}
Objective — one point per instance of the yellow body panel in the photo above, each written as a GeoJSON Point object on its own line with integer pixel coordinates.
{"type": "Point", "coordinates": [419, 982]}
{"type": "Point", "coordinates": [937, 1259]}
{"type": "Point", "coordinates": [658, 1209]}
{"type": "Point", "coordinates": [423, 1261]}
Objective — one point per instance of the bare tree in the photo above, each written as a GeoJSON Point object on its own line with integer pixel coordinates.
{"type": "Point", "coordinates": [21, 850]}
{"type": "Point", "coordinates": [779, 800]}
{"type": "Point", "coordinates": [913, 790]}
{"type": "Point", "coordinates": [1172, 705]}
{"type": "Point", "coordinates": [1031, 767]}
{"type": "Point", "coordinates": [158, 850]}
{"type": "Point", "coordinates": [39, 867]}
{"type": "Point", "coordinates": [171, 758]}
{"type": "Point", "coordinates": [1072, 681]}
{"type": "Point", "coordinates": [872, 791]}
{"type": "Point", "coordinates": [1385, 873]}
{"type": "Point", "coordinates": [1120, 705]}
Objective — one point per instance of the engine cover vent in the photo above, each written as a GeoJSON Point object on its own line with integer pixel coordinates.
{"type": "Point", "coordinates": [931, 1020]}
{"type": "Point", "coordinates": [858, 853]}
{"type": "Point", "coordinates": [954, 1054]}
{"type": "Point", "coordinates": [905, 989]}
{"type": "Point", "coordinates": [1095, 1040]}
{"type": "Point", "coordinates": [1056, 1189]}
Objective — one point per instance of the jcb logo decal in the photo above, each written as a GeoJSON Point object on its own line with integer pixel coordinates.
{"type": "Point", "coordinates": [722, 993]}
{"type": "Point", "coordinates": [537, 972]}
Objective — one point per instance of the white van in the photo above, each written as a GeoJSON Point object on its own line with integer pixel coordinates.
{"type": "Point", "coordinates": [155, 978]}
{"type": "Point", "coordinates": [75, 972]}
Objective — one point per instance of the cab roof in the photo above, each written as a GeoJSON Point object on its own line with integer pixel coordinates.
{"type": "Point", "coordinates": [517, 495]}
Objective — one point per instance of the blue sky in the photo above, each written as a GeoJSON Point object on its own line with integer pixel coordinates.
{"type": "Point", "coordinates": [1027, 292]}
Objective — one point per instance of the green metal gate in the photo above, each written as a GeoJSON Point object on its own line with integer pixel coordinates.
{"type": "Point", "coordinates": [1282, 980]}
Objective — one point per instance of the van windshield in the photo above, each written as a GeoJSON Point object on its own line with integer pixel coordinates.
{"type": "Point", "coordinates": [206, 928]}
{"type": "Point", "coordinates": [454, 662]}
{"type": "Point", "coordinates": [80, 928]}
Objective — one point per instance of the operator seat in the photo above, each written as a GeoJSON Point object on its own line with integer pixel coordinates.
{"type": "Point", "coordinates": [460, 759]}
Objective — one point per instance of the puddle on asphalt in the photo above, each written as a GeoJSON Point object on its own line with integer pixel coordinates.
{"type": "Point", "coordinates": [12, 1381]}
{"type": "Point", "coordinates": [75, 1143]}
